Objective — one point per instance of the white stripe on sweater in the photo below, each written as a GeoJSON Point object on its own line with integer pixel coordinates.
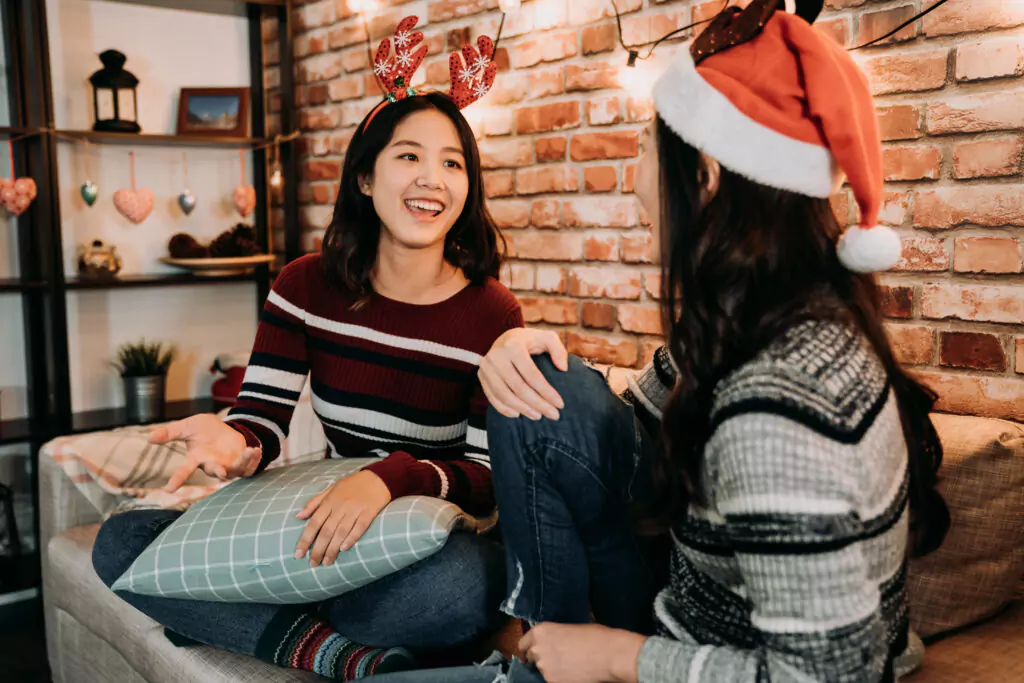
{"type": "Point", "coordinates": [260, 374]}
{"type": "Point", "coordinates": [245, 417]}
{"type": "Point", "coordinates": [371, 419]}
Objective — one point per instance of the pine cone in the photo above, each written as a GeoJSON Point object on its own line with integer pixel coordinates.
{"type": "Point", "coordinates": [183, 245]}
{"type": "Point", "coordinates": [224, 246]}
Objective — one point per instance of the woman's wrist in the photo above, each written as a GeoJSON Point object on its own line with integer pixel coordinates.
{"type": "Point", "coordinates": [624, 653]}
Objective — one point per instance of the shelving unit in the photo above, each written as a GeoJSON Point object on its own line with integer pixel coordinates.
{"type": "Point", "coordinates": [42, 284]}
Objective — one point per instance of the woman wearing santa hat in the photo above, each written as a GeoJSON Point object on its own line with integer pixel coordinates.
{"type": "Point", "coordinates": [787, 457]}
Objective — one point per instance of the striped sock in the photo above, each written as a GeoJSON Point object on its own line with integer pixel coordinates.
{"type": "Point", "coordinates": [300, 641]}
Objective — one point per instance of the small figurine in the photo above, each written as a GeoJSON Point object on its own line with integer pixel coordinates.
{"type": "Point", "coordinates": [98, 261]}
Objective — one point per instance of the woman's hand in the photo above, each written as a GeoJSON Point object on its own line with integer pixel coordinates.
{"type": "Point", "coordinates": [511, 380]}
{"type": "Point", "coordinates": [212, 445]}
{"type": "Point", "coordinates": [340, 515]}
{"type": "Point", "coordinates": [589, 653]}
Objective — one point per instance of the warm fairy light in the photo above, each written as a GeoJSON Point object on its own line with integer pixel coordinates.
{"type": "Point", "coordinates": [507, 6]}
{"type": "Point", "coordinates": [360, 6]}
{"type": "Point", "coordinates": [637, 79]}
{"type": "Point", "coordinates": [276, 177]}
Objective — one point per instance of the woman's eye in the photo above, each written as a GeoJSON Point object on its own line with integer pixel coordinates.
{"type": "Point", "coordinates": [408, 156]}
{"type": "Point", "coordinates": [451, 163]}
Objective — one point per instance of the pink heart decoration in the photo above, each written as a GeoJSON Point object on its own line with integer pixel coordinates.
{"type": "Point", "coordinates": [17, 195]}
{"type": "Point", "coordinates": [134, 205]}
{"type": "Point", "coordinates": [244, 199]}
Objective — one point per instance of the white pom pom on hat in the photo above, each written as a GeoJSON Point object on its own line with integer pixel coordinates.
{"type": "Point", "coordinates": [869, 250]}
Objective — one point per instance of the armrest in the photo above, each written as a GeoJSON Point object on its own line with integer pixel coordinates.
{"type": "Point", "coordinates": [62, 506]}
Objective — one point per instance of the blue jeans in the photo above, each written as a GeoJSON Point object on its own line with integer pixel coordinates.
{"type": "Point", "coordinates": [445, 601]}
{"type": "Point", "coordinates": [566, 491]}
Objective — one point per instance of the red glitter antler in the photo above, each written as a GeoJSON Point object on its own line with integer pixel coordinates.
{"type": "Point", "coordinates": [395, 73]}
{"type": "Point", "coordinates": [472, 72]}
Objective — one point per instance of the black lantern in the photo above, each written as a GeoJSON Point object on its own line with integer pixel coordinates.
{"type": "Point", "coordinates": [107, 84]}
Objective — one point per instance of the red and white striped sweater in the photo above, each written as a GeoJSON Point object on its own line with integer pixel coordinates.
{"type": "Point", "coordinates": [391, 379]}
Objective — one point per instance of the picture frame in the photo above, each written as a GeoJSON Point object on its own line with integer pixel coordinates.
{"type": "Point", "coordinates": [214, 112]}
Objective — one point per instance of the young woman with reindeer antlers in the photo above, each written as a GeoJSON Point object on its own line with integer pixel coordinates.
{"type": "Point", "coordinates": [389, 322]}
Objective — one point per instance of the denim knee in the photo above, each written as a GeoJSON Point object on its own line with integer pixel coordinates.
{"type": "Point", "coordinates": [122, 538]}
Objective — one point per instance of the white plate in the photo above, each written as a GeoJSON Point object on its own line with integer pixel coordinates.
{"type": "Point", "coordinates": [211, 267]}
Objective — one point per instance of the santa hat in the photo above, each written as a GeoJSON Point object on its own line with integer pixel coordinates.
{"type": "Point", "coordinates": [773, 100]}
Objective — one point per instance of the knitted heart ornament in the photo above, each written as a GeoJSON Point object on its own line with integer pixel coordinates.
{"type": "Point", "coordinates": [133, 204]}
{"type": "Point", "coordinates": [17, 195]}
{"type": "Point", "coordinates": [244, 199]}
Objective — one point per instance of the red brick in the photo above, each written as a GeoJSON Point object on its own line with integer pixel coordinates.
{"type": "Point", "coordinates": [598, 315]}
{"type": "Point", "coordinates": [923, 254]}
{"type": "Point", "coordinates": [547, 246]}
{"type": "Point", "coordinates": [652, 284]}
{"type": "Point", "coordinates": [612, 145]}
{"type": "Point", "coordinates": [545, 117]}
{"type": "Point", "coordinates": [621, 352]}
{"type": "Point", "coordinates": [600, 246]}
{"type": "Point", "coordinates": [912, 344]}
{"type": "Point", "coordinates": [603, 111]}
{"type": "Point", "coordinates": [640, 318]}
{"type": "Point", "coordinates": [319, 119]}
{"type": "Point", "coordinates": [639, 109]}
{"type": "Point", "coordinates": [518, 276]}
{"type": "Point", "coordinates": [897, 301]}
{"type": "Point", "coordinates": [900, 122]}
{"type": "Point", "coordinates": [438, 72]}
{"type": "Point", "coordinates": [321, 170]}
{"type": "Point", "coordinates": [591, 76]}
{"type": "Point", "coordinates": [874, 25]}
{"type": "Point", "coordinates": [547, 179]}
{"type": "Point", "coordinates": [317, 94]}
{"type": "Point", "coordinates": [987, 158]}
{"type": "Point", "coordinates": [993, 58]}
{"type": "Point", "coordinates": [550, 47]}
{"type": "Point", "coordinates": [837, 29]}
{"type": "Point", "coordinates": [600, 178]}
{"type": "Point", "coordinates": [443, 10]}
{"type": "Point", "coordinates": [549, 15]}
{"type": "Point", "coordinates": [841, 207]}
{"type": "Point", "coordinates": [598, 39]}
{"type": "Point", "coordinates": [355, 60]}
{"type": "Point", "coordinates": [987, 255]}
{"type": "Point", "coordinates": [551, 149]}
{"type": "Point", "coordinates": [546, 82]}
{"type": "Point", "coordinates": [636, 246]}
{"type": "Point", "coordinates": [1019, 366]}
{"type": "Point", "coordinates": [499, 122]}
{"type": "Point", "coordinates": [546, 213]}
{"type": "Point", "coordinates": [339, 142]}
{"type": "Point", "coordinates": [978, 303]}
{"type": "Point", "coordinates": [706, 10]}
{"type": "Point", "coordinates": [605, 212]}
{"type": "Point", "coordinates": [972, 350]}
{"type": "Point", "coordinates": [508, 88]}
{"type": "Point", "coordinates": [551, 279]}
{"type": "Point", "coordinates": [346, 88]}
{"type": "Point", "coordinates": [498, 184]}
{"type": "Point", "coordinates": [912, 162]}
{"type": "Point", "coordinates": [555, 311]}
{"type": "Point", "coordinates": [628, 177]}
{"type": "Point", "coordinates": [894, 208]}
{"type": "Point", "coordinates": [355, 111]}
{"type": "Point", "coordinates": [345, 35]}
{"type": "Point", "coordinates": [505, 153]}
{"type": "Point", "coordinates": [510, 215]}
{"type": "Point", "coordinates": [989, 205]}
{"type": "Point", "coordinates": [977, 113]}
{"type": "Point", "coordinates": [324, 193]}
{"type": "Point", "coordinates": [907, 72]}
{"type": "Point", "coordinates": [990, 396]}
{"type": "Point", "coordinates": [972, 15]}
{"type": "Point", "coordinates": [589, 11]}
{"type": "Point", "coordinates": [604, 283]}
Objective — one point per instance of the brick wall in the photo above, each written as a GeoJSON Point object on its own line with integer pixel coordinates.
{"type": "Point", "coordinates": [558, 135]}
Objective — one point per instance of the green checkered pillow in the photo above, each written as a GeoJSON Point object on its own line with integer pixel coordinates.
{"type": "Point", "coordinates": [238, 544]}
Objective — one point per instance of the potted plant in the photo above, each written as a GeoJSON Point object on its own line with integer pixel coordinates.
{"type": "Point", "coordinates": [143, 367]}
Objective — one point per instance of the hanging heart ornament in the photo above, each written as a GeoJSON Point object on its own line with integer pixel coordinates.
{"type": "Point", "coordinates": [134, 205]}
{"type": "Point", "coordinates": [244, 199]}
{"type": "Point", "coordinates": [187, 201]}
{"type": "Point", "coordinates": [17, 195]}
{"type": "Point", "coordinates": [89, 192]}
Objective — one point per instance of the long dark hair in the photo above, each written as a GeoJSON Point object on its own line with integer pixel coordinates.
{"type": "Point", "coordinates": [739, 270]}
{"type": "Point", "coordinates": [474, 244]}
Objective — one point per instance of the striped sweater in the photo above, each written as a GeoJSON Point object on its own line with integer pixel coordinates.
{"type": "Point", "coordinates": [796, 569]}
{"type": "Point", "coordinates": [391, 379]}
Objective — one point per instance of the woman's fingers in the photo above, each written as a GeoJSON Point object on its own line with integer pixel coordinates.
{"type": "Point", "coordinates": [524, 394]}
{"type": "Point", "coordinates": [552, 343]}
{"type": "Point", "coordinates": [534, 378]}
{"type": "Point", "coordinates": [363, 523]}
{"type": "Point", "coordinates": [182, 474]}
{"type": "Point", "coordinates": [337, 541]}
{"type": "Point", "coordinates": [492, 396]}
{"type": "Point", "coordinates": [324, 536]}
{"type": "Point", "coordinates": [310, 533]}
{"type": "Point", "coordinates": [311, 505]}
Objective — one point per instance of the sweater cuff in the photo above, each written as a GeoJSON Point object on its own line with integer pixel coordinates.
{"type": "Point", "coordinates": [251, 440]}
{"type": "Point", "coordinates": [404, 475]}
{"type": "Point", "coordinates": [662, 660]}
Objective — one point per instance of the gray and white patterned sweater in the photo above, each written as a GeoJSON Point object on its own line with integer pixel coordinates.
{"type": "Point", "coordinates": [795, 571]}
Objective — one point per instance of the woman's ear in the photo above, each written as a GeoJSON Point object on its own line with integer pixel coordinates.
{"type": "Point", "coordinates": [714, 176]}
{"type": "Point", "coordinates": [366, 185]}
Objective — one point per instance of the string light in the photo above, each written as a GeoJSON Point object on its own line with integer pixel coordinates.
{"type": "Point", "coordinates": [363, 6]}
{"type": "Point", "coordinates": [276, 176]}
{"type": "Point", "coordinates": [508, 6]}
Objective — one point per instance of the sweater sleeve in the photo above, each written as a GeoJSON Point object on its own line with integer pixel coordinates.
{"type": "Point", "coordinates": [277, 366]}
{"type": "Point", "coordinates": [650, 389]}
{"type": "Point", "coordinates": [787, 495]}
{"type": "Point", "coordinates": [465, 478]}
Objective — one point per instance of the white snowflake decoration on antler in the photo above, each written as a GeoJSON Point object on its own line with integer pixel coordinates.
{"type": "Point", "coordinates": [382, 69]}
{"type": "Point", "coordinates": [402, 38]}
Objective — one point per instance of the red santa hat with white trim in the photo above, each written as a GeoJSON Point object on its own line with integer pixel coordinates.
{"type": "Point", "coordinates": [773, 100]}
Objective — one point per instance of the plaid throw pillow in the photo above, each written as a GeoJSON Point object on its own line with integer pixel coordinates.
{"type": "Point", "coordinates": [238, 544]}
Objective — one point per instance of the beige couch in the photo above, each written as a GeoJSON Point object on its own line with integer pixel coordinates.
{"type": "Point", "coordinates": [93, 637]}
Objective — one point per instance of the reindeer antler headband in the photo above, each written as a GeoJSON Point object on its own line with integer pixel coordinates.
{"type": "Point", "coordinates": [471, 70]}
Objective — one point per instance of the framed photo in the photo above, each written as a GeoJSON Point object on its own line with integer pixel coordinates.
{"type": "Point", "coordinates": [218, 112]}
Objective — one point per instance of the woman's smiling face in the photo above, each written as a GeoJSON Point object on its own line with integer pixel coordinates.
{"type": "Point", "coordinates": [419, 184]}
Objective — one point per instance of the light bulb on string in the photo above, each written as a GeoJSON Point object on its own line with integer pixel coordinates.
{"type": "Point", "coordinates": [637, 77]}
{"type": "Point", "coordinates": [508, 6]}
{"type": "Point", "coordinates": [276, 176]}
{"type": "Point", "coordinates": [360, 6]}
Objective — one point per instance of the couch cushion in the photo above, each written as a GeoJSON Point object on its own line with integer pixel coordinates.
{"type": "Point", "coordinates": [978, 568]}
{"type": "Point", "coordinates": [238, 544]}
{"type": "Point", "coordinates": [78, 593]}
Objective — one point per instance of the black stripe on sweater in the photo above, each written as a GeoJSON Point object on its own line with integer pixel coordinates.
{"type": "Point", "coordinates": [415, 366]}
{"type": "Point", "coordinates": [378, 404]}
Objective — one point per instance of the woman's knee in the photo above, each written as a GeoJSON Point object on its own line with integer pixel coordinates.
{"type": "Point", "coordinates": [122, 538]}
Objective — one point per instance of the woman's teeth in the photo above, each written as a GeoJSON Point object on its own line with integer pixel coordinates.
{"type": "Point", "coordinates": [425, 206]}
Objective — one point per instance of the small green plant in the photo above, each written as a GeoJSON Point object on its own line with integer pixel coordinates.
{"type": "Point", "coordinates": [142, 359]}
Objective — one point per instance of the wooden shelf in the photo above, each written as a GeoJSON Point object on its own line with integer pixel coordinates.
{"type": "Point", "coordinates": [158, 140]}
{"type": "Point", "coordinates": [15, 431]}
{"type": "Point", "coordinates": [109, 418]}
{"type": "Point", "coordinates": [19, 285]}
{"type": "Point", "coordinates": [164, 280]}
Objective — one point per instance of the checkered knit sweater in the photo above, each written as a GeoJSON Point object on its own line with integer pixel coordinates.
{"type": "Point", "coordinates": [392, 379]}
{"type": "Point", "coordinates": [796, 569]}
